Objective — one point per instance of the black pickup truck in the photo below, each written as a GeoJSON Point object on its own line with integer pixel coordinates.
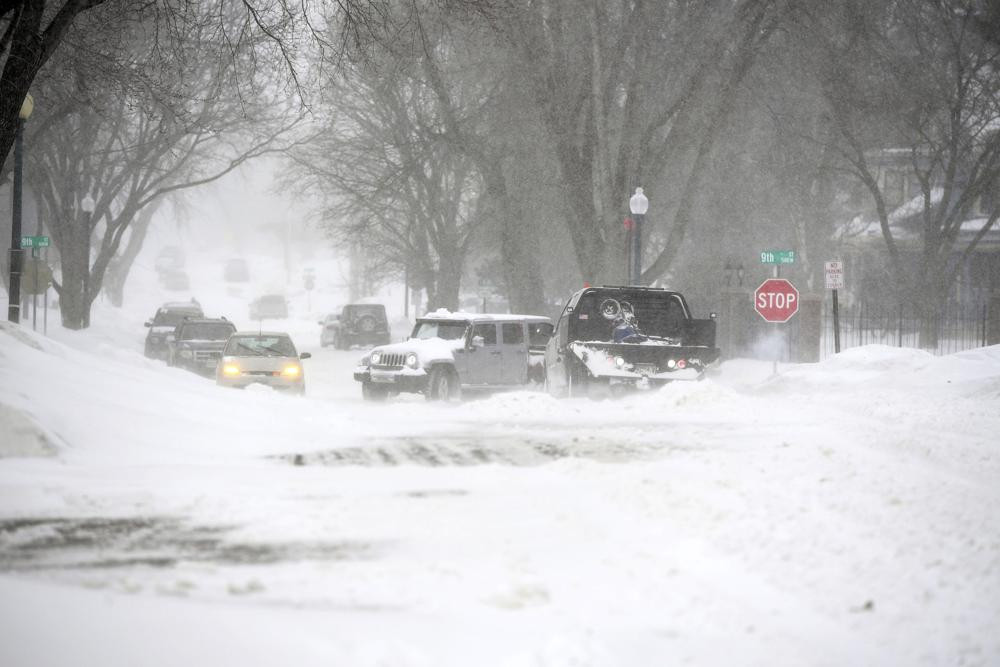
{"type": "Point", "coordinates": [612, 339]}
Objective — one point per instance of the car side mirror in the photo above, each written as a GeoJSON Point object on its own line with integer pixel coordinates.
{"type": "Point", "coordinates": [305, 355]}
{"type": "Point", "coordinates": [478, 341]}
{"type": "Point", "coordinates": [147, 323]}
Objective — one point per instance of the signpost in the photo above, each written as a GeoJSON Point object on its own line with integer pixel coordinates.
{"type": "Point", "coordinates": [776, 300]}
{"type": "Point", "coordinates": [834, 271]}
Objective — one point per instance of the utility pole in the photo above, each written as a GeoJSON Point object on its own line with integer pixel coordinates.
{"type": "Point", "coordinates": [16, 253]}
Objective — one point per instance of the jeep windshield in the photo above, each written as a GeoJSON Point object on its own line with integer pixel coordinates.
{"type": "Point", "coordinates": [657, 314]}
{"type": "Point", "coordinates": [206, 331]}
{"type": "Point", "coordinates": [174, 316]}
{"type": "Point", "coordinates": [449, 330]}
{"type": "Point", "coordinates": [260, 346]}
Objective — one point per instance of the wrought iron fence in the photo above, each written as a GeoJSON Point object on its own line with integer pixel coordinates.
{"type": "Point", "coordinates": [959, 327]}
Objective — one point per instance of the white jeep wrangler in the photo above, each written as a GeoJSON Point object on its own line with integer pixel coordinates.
{"type": "Point", "coordinates": [449, 353]}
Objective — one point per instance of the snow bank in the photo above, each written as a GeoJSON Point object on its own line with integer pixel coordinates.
{"type": "Point", "coordinates": [839, 513]}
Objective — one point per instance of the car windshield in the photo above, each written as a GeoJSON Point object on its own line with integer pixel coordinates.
{"type": "Point", "coordinates": [657, 314]}
{"type": "Point", "coordinates": [173, 317]}
{"type": "Point", "coordinates": [207, 331]}
{"type": "Point", "coordinates": [445, 330]}
{"type": "Point", "coordinates": [260, 346]}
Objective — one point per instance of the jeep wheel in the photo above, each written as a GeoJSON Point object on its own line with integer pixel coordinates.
{"type": "Point", "coordinates": [443, 385]}
{"type": "Point", "coordinates": [373, 392]}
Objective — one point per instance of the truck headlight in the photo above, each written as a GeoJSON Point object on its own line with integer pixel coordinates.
{"type": "Point", "coordinates": [412, 361]}
{"type": "Point", "coordinates": [376, 357]}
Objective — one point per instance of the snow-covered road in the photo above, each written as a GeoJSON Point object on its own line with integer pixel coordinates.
{"type": "Point", "coordinates": [840, 513]}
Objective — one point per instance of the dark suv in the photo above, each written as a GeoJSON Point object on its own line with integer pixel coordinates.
{"type": "Point", "coordinates": [357, 324]}
{"type": "Point", "coordinates": [161, 327]}
{"type": "Point", "coordinates": [198, 343]}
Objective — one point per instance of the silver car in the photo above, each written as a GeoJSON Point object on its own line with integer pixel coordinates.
{"type": "Point", "coordinates": [262, 357]}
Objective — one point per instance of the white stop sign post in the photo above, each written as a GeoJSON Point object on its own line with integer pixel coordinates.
{"type": "Point", "coordinates": [776, 300]}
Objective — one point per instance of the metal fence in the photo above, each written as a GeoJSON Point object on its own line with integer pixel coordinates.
{"type": "Point", "coordinates": [960, 327]}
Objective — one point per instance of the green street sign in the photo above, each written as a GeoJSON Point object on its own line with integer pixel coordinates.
{"type": "Point", "coordinates": [34, 241]}
{"type": "Point", "coordinates": [777, 257]}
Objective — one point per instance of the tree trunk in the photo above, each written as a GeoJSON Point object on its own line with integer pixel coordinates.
{"type": "Point", "coordinates": [449, 282]}
{"type": "Point", "coordinates": [518, 244]}
{"type": "Point", "coordinates": [75, 263]}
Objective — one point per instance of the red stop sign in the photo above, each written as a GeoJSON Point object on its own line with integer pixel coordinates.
{"type": "Point", "coordinates": [776, 300]}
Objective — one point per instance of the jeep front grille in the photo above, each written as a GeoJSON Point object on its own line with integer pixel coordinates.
{"type": "Point", "coordinates": [391, 361]}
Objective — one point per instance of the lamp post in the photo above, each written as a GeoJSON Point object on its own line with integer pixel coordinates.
{"type": "Point", "coordinates": [16, 254]}
{"type": "Point", "coordinates": [87, 206]}
{"type": "Point", "coordinates": [638, 205]}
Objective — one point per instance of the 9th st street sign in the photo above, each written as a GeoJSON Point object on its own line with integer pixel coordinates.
{"type": "Point", "coordinates": [776, 300]}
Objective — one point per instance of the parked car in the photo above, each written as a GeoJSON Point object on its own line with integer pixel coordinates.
{"type": "Point", "coordinates": [198, 343]}
{"type": "Point", "coordinates": [261, 357]}
{"type": "Point", "coordinates": [175, 280]}
{"type": "Point", "coordinates": [269, 307]}
{"type": "Point", "coordinates": [610, 339]}
{"type": "Point", "coordinates": [236, 271]}
{"type": "Point", "coordinates": [164, 322]}
{"type": "Point", "coordinates": [357, 324]}
{"type": "Point", "coordinates": [449, 353]}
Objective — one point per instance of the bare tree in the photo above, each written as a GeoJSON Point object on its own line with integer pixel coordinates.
{"type": "Point", "coordinates": [142, 135]}
{"type": "Point", "coordinates": [626, 89]}
{"type": "Point", "coordinates": [389, 182]}
{"type": "Point", "coordinates": [920, 80]}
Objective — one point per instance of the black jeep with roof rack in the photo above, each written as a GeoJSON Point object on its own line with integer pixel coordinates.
{"type": "Point", "coordinates": [614, 338]}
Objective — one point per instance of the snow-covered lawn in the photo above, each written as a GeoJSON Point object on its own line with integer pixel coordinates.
{"type": "Point", "coordinates": [842, 513]}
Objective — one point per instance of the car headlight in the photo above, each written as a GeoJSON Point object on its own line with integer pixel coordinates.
{"type": "Point", "coordinates": [412, 361]}
{"type": "Point", "coordinates": [230, 369]}
{"type": "Point", "coordinates": [291, 370]}
{"type": "Point", "coordinates": [376, 357]}
{"type": "Point", "coordinates": [619, 362]}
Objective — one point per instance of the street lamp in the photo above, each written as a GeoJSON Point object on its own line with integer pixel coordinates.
{"type": "Point", "coordinates": [638, 204]}
{"type": "Point", "coordinates": [16, 254]}
{"type": "Point", "coordinates": [87, 206]}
